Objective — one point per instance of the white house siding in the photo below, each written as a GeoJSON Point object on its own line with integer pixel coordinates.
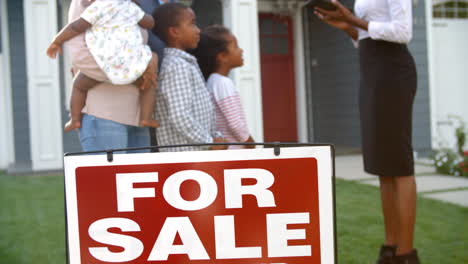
{"type": "Point", "coordinates": [450, 70]}
{"type": "Point", "coordinates": [6, 118]}
{"type": "Point", "coordinates": [43, 85]}
{"type": "Point", "coordinates": [34, 87]}
{"type": "Point", "coordinates": [241, 16]}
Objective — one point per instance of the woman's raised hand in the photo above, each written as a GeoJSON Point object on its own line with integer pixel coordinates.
{"type": "Point", "coordinates": [341, 13]}
{"type": "Point", "coordinates": [341, 18]}
{"type": "Point", "coordinates": [333, 22]}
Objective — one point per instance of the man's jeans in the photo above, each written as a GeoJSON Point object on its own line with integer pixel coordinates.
{"type": "Point", "coordinates": [100, 134]}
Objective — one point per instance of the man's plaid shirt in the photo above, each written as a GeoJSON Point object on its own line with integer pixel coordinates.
{"type": "Point", "coordinates": [184, 107]}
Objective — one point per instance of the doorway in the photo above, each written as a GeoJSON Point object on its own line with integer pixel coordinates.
{"type": "Point", "coordinates": [278, 78]}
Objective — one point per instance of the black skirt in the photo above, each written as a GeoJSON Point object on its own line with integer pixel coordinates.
{"type": "Point", "coordinates": [386, 96]}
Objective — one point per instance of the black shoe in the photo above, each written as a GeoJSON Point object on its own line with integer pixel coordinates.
{"type": "Point", "coordinates": [408, 258]}
{"type": "Point", "coordinates": [387, 255]}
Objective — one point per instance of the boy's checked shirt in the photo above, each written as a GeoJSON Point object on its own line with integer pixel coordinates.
{"type": "Point", "coordinates": [184, 107]}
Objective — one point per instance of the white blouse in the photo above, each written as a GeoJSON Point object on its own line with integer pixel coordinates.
{"type": "Point", "coordinates": [389, 20]}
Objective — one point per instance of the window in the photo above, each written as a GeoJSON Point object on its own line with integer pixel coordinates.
{"type": "Point", "coordinates": [274, 35]}
{"type": "Point", "coordinates": [452, 9]}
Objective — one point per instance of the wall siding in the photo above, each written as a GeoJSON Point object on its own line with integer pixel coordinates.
{"type": "Point", "coordinates": [19, 82]}
{"type": "Point", "coordinates": [421, 111]}
{"type": "Point", "coordinates": [208, 12]}
{"type": "Point", "coordinates": [333, 83]}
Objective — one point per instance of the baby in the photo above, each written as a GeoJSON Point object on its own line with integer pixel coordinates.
{"type": "Point", "coordinates": [114, 39]}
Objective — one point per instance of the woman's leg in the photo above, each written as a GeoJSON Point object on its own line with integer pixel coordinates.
{"type": "Point", "coordinates": [81, 85]}
{"type": "Point", "coordinates": [399, 197]}
{"type": "Point", "coordinates": [138, 137]}
{"type": "Point", "coordinates": [406, 204]}
{"type": "Point", "coordinates": [388, 196]}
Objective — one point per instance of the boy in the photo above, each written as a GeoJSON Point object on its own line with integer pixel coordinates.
{"type": "Point", "coordinates": [184, 107]}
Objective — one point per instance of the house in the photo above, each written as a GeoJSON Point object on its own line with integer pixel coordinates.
{"type": "Point", "coordinates": [299, 83]}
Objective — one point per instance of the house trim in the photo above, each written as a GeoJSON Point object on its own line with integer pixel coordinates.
{"type": "Point", "coordinates": [301, 96]}
{"type": "Point", "coordinates": [40, 21]}
{"type": "Point", "coordinates": [66, 62]}
{"type": "Point", "coordinates": [432, 74]}
{"type": "Point", "coordinates": [241, 16]}
{"type": "Point", "coordinates": [7, 154]}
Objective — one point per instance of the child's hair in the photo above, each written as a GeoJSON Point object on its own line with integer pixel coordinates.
{"type": "Point", "coordinates": [166, 16]}
{"type": "Point", "coordinates": [212, 42]}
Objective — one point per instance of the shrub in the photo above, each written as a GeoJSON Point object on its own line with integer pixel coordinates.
{"type": "Point", "coordinates": [453, 161]}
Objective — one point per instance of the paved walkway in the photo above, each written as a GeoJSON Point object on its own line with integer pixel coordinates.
{"type": "Point", "coordinates": [445, 188]}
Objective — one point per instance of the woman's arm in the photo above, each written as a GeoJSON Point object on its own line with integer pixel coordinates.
{"type": "Point", "coordinates": [342, 14]}
{"type": "Point", "coordinates": [342, 25]}
{"type": "Point", "coordinates": [72, 30]}
{"type": "Point", "coordinates": [398, 29]}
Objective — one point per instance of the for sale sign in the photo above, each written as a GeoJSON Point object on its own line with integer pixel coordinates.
{"type": "Point", "coordinates": [224, 207]}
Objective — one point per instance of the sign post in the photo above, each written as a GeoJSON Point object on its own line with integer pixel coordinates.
{"type": "Point", "coordinates": [224, 207]}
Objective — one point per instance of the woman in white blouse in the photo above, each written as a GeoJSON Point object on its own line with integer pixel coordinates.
{"type": "Point", "coordinates": [381, 29]}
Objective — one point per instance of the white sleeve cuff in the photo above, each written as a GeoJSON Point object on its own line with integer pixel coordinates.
{"type": "Point", "coordinates": [374, 30]}
{"type": "Point", "coordinates": [355, 42]}
{"type": "Point", "coordinates": [390, 31]}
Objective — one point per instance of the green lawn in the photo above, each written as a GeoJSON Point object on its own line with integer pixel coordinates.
{"type": "Point", "coordinates": [32, 224]}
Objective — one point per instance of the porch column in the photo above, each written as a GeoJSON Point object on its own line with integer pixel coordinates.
{"type": "Point", "coordinates": [6, 129]}
{"type": "Point", "coordinates": [40, 20]}
{"type": "Point", "coordinates": [241, 16]}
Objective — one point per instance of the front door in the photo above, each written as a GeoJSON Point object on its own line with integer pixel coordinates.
{"type": "Point", "coordinates": [278, 84]}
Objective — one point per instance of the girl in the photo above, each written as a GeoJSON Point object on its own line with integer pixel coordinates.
{"type": "Point", "coordinates": [114, 39]}
{"type": "Point", "coordinates": [217, 54]}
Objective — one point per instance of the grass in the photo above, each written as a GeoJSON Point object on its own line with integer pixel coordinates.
{"type": "Point", "coordinates": [32, 220]}
{"type": "Point", "coordinates": [441, 229]}
{"type": "Point", "coordinates": [32, 224]}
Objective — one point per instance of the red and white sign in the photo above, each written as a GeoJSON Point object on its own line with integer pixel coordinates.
{"type": "Point", "coordinates": [223, 207]}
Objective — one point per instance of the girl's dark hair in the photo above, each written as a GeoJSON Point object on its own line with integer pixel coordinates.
{"type": "Point", "coordinates": [166, 16]}
{"type": "Point", "coordinates": [212, 42]}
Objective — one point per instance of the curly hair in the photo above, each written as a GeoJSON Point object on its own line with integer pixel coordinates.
{"type": "Point", "coordinates": [166, 16]}
{"type": "Point", "coordinates": [212, 42]}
